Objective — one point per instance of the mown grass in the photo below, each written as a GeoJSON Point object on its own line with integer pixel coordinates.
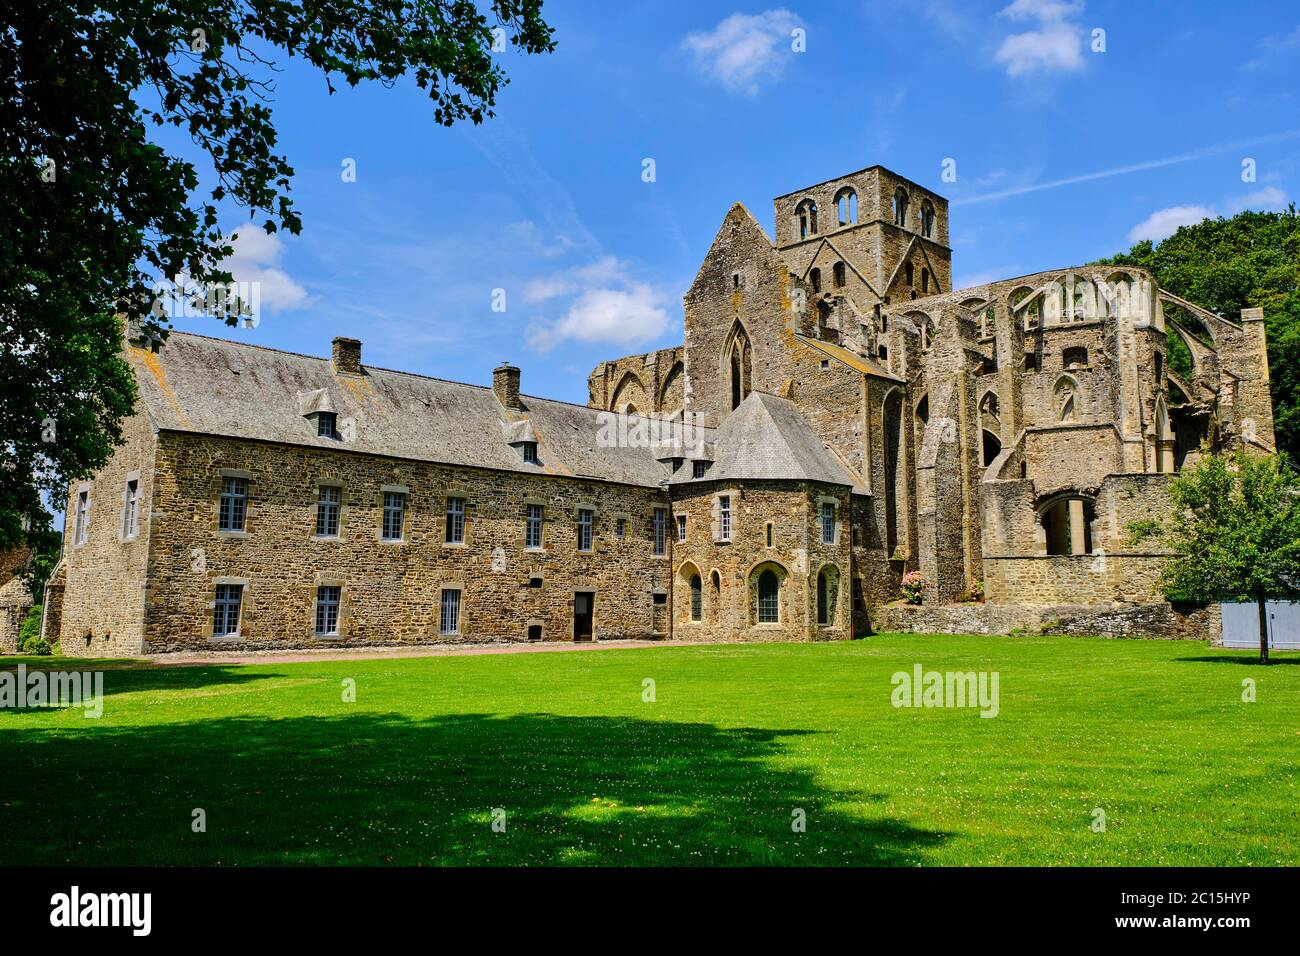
{"type": "Point", "coordinates": [737, 741]}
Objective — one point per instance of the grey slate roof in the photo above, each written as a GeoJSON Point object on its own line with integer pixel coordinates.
{"type": "Point", "coordinates": [212, 386]}
{"type": "Point", "coordinates": [767, 437]}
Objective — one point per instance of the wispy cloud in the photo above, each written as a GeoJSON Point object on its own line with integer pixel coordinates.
{"type": "Point", "coordinates": [1055, 45]}
{"type": "Point", "coordinates": [1188, 157]}
{"type": "Point", "coordinates": [1274, 48]}
{"type": "Point", "coordinates": [744, 51]}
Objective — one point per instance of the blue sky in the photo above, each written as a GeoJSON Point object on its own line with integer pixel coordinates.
{"type": "Point", "coordinates": [547, 201]}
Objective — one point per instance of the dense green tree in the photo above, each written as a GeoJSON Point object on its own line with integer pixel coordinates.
{"type": "Point", "coordinates": [1234, 530]}
{"type": "Point", "coordinates": [93, 213]}
{"type": "Point", "coordinates": [1225, 265]}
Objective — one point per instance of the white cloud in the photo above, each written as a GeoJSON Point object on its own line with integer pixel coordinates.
{"type": "Point", "coordinates": [626, 317]}
{"type": "Point", "coordinates": [1165, 222]}
{"type": "Point", "coordinates": [1268, 199]}
{"type": "Point", "coordinates": [1056, 44]}
{"type": "Point", "coordinates": [608, 306]}
{"type": "Point", "coordinates": [257, 258]}
{"type": "Point", "coordinates": [744, 51]}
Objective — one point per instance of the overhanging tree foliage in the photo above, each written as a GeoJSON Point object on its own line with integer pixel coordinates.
{"type": "Point", "coordinates": [1234, 529]}
{"type": "Point", "coordinates": [1225, 265]}
{"type": "Point", "coordinates": [93, 214]}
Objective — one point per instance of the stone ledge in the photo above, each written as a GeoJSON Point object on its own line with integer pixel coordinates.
{"type": "Point", "coordinates": [1155, 620]}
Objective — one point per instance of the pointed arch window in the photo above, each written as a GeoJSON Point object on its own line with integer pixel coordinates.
{"type": "Point", "coordinates": [1067, 400]}
{"type": "Point", "coordinates": [900, 206]}
{"type": "Point", "coordinates": [927, 219]}
{"type": "Point", "coordinates": [739, 366]}
{"type": "Point", "coordinates": [846, 206]}
{"type": "Point", "coordinates": [697, 598]}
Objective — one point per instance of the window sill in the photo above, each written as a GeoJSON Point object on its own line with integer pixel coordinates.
{"type": "Point", "coordinates": [453, 544]}
{"type": "Point", "coordinates": [327, 537]}
{"type": "Point", "coordinates": [232, 534]}
{"type": "Point", "coordinates": [393, 541]}
{"type": "Point", "coordinates": [225, 638]}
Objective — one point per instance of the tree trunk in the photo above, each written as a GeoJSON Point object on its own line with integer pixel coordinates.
{"type": "Point", "coordinates": [1263, 629]}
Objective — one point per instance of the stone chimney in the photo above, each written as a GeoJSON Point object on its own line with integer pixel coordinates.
{"type": "Point", "coordinates": [347, 356]}
{"type": "Point", "coordinates": [505, 383]}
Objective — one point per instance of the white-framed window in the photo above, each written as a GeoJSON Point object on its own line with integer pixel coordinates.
{"type": "Point", "coordinates": [586, 520]}
{"type": "Point", "coordinates": [130, 509]}
{"type": "Point", "coordinates": [234, 504]}
{"type": "Point", "coordinates": [530, 452]}
{"type": "Point", "coordinates": [681, 527]}
{"type": "Point", "coordinates": [533, 516]}
{"type": "Point", "coordinates": [394, 515]}
{"type": "Point", "coordinates": [620, 527]}
{"type": "Point", "coordinates": [328, 502]}
{"type": "Point", "coordinates": [455, 521]}
{"type": "Point", "coordinates": [328, 597]}
{"type": "Point", "coordinates": [327, 424]}
{"type": "Point", "coordinates": [225, 612]}
{"type": "Point", "coordinates": [724, 517]}
{"type": "Point", "coordinates": [449, 620]}
{"type": "Point", "coordinates": [83, 517]}
{"type": "Point", "coordinates": [661, 531]}
{"type": "Point", "coordinates": [698, 469]}
{"type": "Point", "coordinates": [828, 522]}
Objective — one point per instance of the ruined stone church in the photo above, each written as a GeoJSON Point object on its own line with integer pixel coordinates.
{"type": "Point", "coordinates": [837, 416]}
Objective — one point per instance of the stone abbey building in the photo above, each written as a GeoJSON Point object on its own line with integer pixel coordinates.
{"type": "Point", "coordinates": [836, 417]}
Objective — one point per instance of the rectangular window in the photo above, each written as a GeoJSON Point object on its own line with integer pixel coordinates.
{"type": "Point", "coordinates": [394, 515]}
{"type": "Point", "coordinates": [533, 526]}
{"type": "Point", "coordinates": [455, 521]}
{"type": "Point", "coordinates": [620, 527]}
{"type": "Point", "coordinates": [234, 504]}
{"type": "Point", "coordinates": [586, 518]}
{"type": "Point", "coordinates": [327, 609]}
{"type": "Point", "coordinates": [130, 508]}
{"type": "Point", "coordinates": [724, 517]}
{"type": "Point", "coordinates": [681, 527]}
{"type": "Point", "coordinates": [769, 534]}
{"type": "Point", "coordinates": [83, 516]}
{"type": "Point", "coordinates": [698, 468]}
{"type": "Point", "coordinates": [828, 523]}
{"type": "Point", "coordinates": [225, 614]}
{"type": "Point", "coordinates": [327, 425]}
{"type": "Point", "coordinates": [661, 531]}
{"type": "Point", "coordinates": [450, 621]}
{"type": "Point", "coordinates": [530, 453]}
{"type": "Point", "coordinates": [327, 511]}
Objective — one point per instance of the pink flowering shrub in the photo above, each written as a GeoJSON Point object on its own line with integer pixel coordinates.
{"type": "Point", "coordinates": [913, 587]}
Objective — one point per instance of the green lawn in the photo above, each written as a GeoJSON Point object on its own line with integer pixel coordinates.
{"type": "Point", "coordinates": [1154, 733]}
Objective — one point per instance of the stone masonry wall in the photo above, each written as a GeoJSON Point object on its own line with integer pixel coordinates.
{"type": "Point", "coordinates": [103, 615]}
{"type": "Point", "coordinates": [390, 590]}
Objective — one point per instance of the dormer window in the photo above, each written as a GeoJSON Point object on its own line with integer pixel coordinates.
{"type": "Point", "coordinates": [530, 452]}
{"type": "Point", "coordinates": [677, 463]}
{"type": "Point", "coordinates": [327, 424]}
{"type": "Point", "coordinates": [699, 468]}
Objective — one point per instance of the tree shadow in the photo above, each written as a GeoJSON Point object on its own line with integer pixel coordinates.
{"type": "Point", "coordinates": [376, 789]}
{"type": "Point", "coordinates": [147, 677]}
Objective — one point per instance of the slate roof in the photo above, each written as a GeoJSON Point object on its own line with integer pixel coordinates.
{"type": "Point", "coordinates": [203, 385]}
{"type": "Point", "coordinates": [767, 437]}
{"type": "Point", "coordinates": [198, 384]}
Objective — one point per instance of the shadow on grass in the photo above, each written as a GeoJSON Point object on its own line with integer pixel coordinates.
{"type": "Point", "coordinates": [375, 789]}
{"type": "Point", "coordinates": [1272, 659]}
{"type": "Point", "coordinates": [135, 679]}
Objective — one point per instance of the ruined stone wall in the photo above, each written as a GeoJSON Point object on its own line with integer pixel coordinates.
{"type": "Point", "coordinates": [1156, 619]}
{"type": "Point", "coordinates": [797, 553]}
{"type": "Point", "coordinates": [102, 606]}
{"type": "Point", "coordinates": [654, 382]}
{"type": "Point", "coordinates": [390, 590]}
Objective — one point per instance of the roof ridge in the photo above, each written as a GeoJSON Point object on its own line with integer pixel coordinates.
{"type": "Point", "coordinates": [394, 371]}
